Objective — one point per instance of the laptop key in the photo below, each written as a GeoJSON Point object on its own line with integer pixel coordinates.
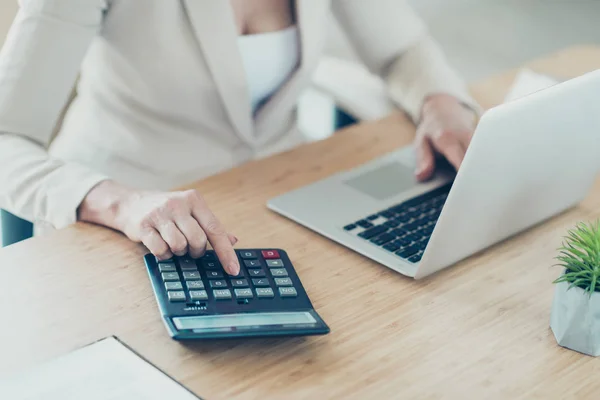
{"type": "Point", "coordinates": [392, 246]}
{"type": "Point", "coordinates": [391, 223]}
{"type": "Point", "coordinates": [415, 259]}
{"type": "Point", "coordinates": [398, 232]}
{"type": "Point", "coordinates": [404, 242]}
{"type": "Point", "coordinates": [372, 217]}
{"type": "Point", "coordinates": [398, 209]}
{"type": "Point", "coordinates": [411, 226]}
{"type": "Point", "coordinates": [350, 227]}
{"type": "Point", "coordinates": [383, 239]}
{"type": "Point", "coordinates": [369, 233]}
{"type": "Point", "coordinates": [428, 231]}
{"type": "Point", "coordinates": [364, 224]}
{"type": "Point", "coordinates": [387, 214]}
{"type": "Point", "coordinates": [402, 218]}
{"type": "Point", "coordinates": [407, 252]}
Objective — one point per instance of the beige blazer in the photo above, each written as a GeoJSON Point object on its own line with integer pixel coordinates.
{"type": "Point", "coordinates": [162, 97]}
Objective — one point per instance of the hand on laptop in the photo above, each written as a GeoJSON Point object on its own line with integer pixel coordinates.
{"type": "Point", "coordinates": [446, 127]}
{"type": "Point", "coordinates": [167, 223]}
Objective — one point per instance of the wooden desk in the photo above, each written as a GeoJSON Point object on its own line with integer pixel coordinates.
{"type": "Point", "coordinates": [477, 330]}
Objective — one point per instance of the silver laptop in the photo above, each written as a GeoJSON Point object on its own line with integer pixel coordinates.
{"type": "Point", "coordinates": [529, 160]}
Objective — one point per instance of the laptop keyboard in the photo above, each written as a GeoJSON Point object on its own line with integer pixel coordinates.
{"type": "Point", "coordinates": [403, 229]}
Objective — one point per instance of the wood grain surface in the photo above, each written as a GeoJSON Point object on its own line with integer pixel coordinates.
{"type": "Point", "coordinates": [476, 330]}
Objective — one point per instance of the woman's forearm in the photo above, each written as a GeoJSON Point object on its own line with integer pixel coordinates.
{"type": "Point", "coordinates": [103, 203]}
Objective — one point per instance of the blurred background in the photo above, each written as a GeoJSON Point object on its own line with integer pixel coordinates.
{"type": "Point", "coordinates": [480, 37]}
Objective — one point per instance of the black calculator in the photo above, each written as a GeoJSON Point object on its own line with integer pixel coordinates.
{"type": "Point", "coordinates": [199, 300]}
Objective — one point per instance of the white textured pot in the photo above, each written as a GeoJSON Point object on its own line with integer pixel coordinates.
{"type": "Point", "coordinates": [575, 319]}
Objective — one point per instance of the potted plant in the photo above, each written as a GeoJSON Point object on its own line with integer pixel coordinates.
{"type": "Point", "coordinates": [575, 318]}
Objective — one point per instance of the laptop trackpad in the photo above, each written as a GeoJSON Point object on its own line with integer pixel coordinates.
{"type": "Point", "coordinates": [385, 181]}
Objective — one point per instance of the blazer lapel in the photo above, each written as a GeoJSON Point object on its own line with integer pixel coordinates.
{"type": "Point", "coordinates": [213, 24]}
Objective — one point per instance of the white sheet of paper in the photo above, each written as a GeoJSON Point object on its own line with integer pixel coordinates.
{"type": "Point", "coordinates": [105, 370]}
{"type": "Point", "coordinates": [528, 82]}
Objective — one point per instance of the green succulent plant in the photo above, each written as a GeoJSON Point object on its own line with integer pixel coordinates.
{"type": "Point", "coordinates": [579, 255]}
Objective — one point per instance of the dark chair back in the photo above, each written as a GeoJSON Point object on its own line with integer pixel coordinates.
{"type": "Point", "coordinates": [14, 229]}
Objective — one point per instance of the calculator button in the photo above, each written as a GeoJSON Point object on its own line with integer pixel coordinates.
{"type": "Point", "coordinates": [243, 293]}
{"type": "Point", "coordinates": [170, 276]}
{"type": "Point", "coordinates": [210, 264]}
{"type": "Point", "coordinates": [191, 285]}
{"type": "Point", "coordinates": [222, 294]}
{"type": "Point", "coordinates": [198, 295]}
{"type": "Point", "coordinates": [239, 275]}
{"type": "Point", "coordinates": [252, 263]}
{"type": "Point", "coordinates": [239, 282]}
{"type": "Point", "coordinates": [270, 254]}
{"type": "Point", "coordinates": [257, 273]}
{"type": "Point", "coordinates": [288, 292]}
{"type": "Point", "coordinates": [283, 281]}
{"type": "Point", "coordinates": [218, 284]}
{"type": "Point", "coordinates": [176, 296]}
{"type": "Point", "coordinates": [274, 263]}
{"type": "Point", "coordinates": [264, 292]}
{"type": "Point", "coordinates": [262, 282]}
{"type": "Point", "coordinates": [214, 274]}
{"type": "Point", "coordinates": [279, 272]}
{"type": "Point", "coordinates": [246, 254]}
{"type": "Point", "coordinates": [173, 285]}
{"type": "Point", "coordinates": [191, 276]}
{"type": "Point", "coordinates": [187, 263]}
{"type": "Point", "coordinates": [167, 267]}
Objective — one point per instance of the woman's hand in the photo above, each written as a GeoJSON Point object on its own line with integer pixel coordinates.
{"type": "Point", "coordinates": [446, 127]}
{"type": "Point", "coordinates": [166, 223]}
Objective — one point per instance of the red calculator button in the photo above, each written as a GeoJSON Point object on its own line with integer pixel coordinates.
{"type": "Point", "coordinates": [270, 254]}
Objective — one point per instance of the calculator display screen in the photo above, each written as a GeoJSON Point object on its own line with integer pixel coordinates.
{"type": "Point", "coordinates": [231, 321]}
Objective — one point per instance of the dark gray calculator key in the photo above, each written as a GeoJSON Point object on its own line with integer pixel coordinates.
{"type": "Point", "coordinates": [192, 285]}
{"type": "Point", "coordinates": [173, 286]}
{"type": "Point", "coordinates": [210, 264]}
{"type": "Point", "coordinates": [187, 263]}
{"type": "Point", "coordinates": [170, 267]}
{"type": "Point", "coordinates": [288, 292]}
{"type": "Point", "coordinates": [261, 282]}
{"type": "Point", "coordinates": [170, 276]}
{"type": "Point", "coordinates": [239, 275]}
{"type": "Point", "coordinates": [252, 263]}
{"type": "Point", "coordinates": [176, 296]}
{"type": "Point", "coordinates": [243, 293]}
{"type": "Point", "coordinates": [239, 282]}
{"type": "Point", "coordinates": [198, 295]}
{"type": "Point", "coordinates": [257, 273]}
{"type": "Point", "coordinates": [218, 284]}
{"type": "Point", "coordinates": [222, 294]}
{"type": "Point", "coordinates": [246, 255]}
{"type": "Point", "coordinates": [264, 292]}
{"type": "Point", "coordinates": [279, 272]}
{"type": "Point", "coordinates": [191, 275]}
{"type": "Point", "coordinates": [283, 281]}
{"type": "Point", "coordinates": [214, 274]}
{"type": "Point", "coordinates": [274, 263]}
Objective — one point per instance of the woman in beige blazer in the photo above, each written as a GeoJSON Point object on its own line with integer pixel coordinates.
{"type": "Point", "coordinates": [164, 98]}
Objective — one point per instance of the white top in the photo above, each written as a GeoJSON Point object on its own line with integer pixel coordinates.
{"type": "Point", "coordinates": [269, 60]}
